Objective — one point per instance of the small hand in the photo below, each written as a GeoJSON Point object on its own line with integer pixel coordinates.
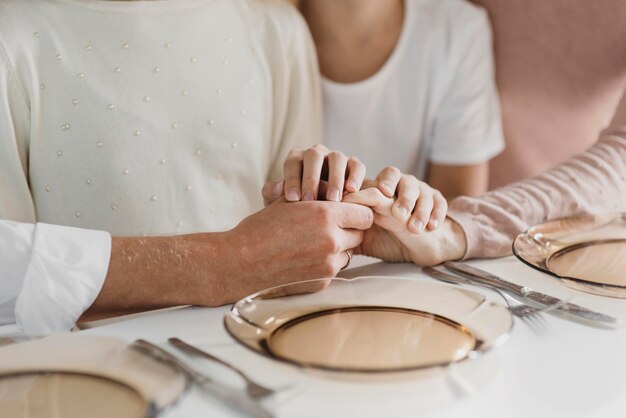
{"type": "Point", "coordinates": [417, 206]}
{"type": "Point", "coordinates": [394, 236]}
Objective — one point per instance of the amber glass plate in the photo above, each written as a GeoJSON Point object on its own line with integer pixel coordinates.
{"type": "Point", "coordinates": [70, 395]}
{"type": "Point", "coordinates": [586, 252]}
{"type": "Point", "coordinates": [368, 324]}
{"type": "Point", "coordinates": [77, 375]}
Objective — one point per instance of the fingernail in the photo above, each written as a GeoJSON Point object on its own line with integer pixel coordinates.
{"type": "Point", "coordinates": [418, 225]}
{"type": "Point", "coordinates": [308, 196]}
{"type": "Point", "coordinates": [293, 195]}
{"type": "Point", "coordinates": [278, 189]}
{"type": "Point", "coordinates": [333, 194]}
{"type": "Point", "coordinates": [404, 211]}
{"type": "Point", "coordinates": [435, 224]}
{"type": "Point", "coordinates": [352, 186]}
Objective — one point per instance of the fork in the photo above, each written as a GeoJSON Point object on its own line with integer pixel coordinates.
{"type": "Point", "coordinates": [529, 314]}
{"type": "Point", "coordinates": [253, 388]}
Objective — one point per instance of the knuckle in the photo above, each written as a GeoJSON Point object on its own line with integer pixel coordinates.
{"type": "Point", "coordinates": [392, 170]}
{"type": "Point", "coordinates": [368, 217]}
{"type": "Point", "coordinates": [426, 191]}
{"type": "Point", "coordinates": [405, 201]}
{"type": "Point", "coordinates": [332, 246]}
{"type": "Point", "coordinates": [292, 163]}
{"type": "Point", "coordinates": [310, 179]}
{"type": "Point", "coordinates": [409, 179]}
{"type": "Point", "coordinates": [323, 214]}
{"type": "Point", "coordinates": [336, 155]}
{"type": "Point", "coordinates": [328, 267]}
{"type": "Point", "coordinates": [313, 153]}
{"type": "Point", "coordinates": [423, 213]}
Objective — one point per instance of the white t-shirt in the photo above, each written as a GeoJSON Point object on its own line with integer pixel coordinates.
{"type": "Point", "coordinates": [138, 118]}
{"type": "Point", "coordinates": [434, 100]}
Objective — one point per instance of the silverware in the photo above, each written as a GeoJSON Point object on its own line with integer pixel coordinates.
{"type": "Point", "coordinates": [234, 398]}
{"type": "Point", "coordinates": [253, 388]}
{"type": "Point", "coordinates": [529, 314]}
{"type": "Point", "coordinates": [525, 293]}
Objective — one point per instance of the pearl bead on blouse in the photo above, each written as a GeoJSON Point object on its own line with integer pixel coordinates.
{"type": "Point", "coordinates": [155, 69]}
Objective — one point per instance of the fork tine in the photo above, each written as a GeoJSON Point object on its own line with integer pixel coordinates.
{"type": "Point", "coordinates": [529, 321]}
{"type": "Point", "coordinates": [539, 322]}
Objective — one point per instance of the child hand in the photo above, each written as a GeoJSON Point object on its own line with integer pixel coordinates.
{"type": "Point", "coordinates": [416, 208]}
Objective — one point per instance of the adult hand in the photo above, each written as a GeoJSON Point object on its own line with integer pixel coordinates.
{"type": "Point", "coordinates": [305, 179]}
{"type": "Point", "coordinates": [285, 243]}
{"type": "Point", "coordinates": [316, 173]}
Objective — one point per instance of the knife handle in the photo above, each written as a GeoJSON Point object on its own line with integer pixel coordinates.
{"type": "Point", "coordinates": [487, 278]}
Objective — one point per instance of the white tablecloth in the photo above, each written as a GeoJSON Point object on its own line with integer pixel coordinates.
{"type": "Point", "coordinates": [571, 370]}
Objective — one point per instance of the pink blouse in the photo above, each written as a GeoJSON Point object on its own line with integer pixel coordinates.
{"type": "Point", "coordinates": [594, 181]}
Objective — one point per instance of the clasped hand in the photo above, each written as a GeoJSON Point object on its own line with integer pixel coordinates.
{"type": "Point", "coordinates": [409, 216]}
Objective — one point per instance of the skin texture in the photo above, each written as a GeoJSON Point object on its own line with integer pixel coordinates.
{"type": "Point", "coordinates": [354, 39]}
{"type": "Point", "coordinates": [319, 173]}
{"type": "Point", "coordinates": [459, 180]}
{"type": "Point", "coordinates": [391, 239]}
{"type": "Point", "coordinates": [303, 171]}
{"type": "Point", "coordinates": [283, 243]}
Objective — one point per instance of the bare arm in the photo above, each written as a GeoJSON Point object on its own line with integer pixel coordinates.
{"type": "Point", "coordinates": [280, 244]}
{"type": "Point", "coordinates": [459, 180]}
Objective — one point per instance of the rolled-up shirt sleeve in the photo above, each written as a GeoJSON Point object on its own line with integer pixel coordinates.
{"type": "Point", "coordinates": [50, 275]}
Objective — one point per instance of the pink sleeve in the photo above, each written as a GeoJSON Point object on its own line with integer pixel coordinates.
{"type": "Point", "coordinates": [594, 181]}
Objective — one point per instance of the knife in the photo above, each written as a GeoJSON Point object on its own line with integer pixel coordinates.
{"type": "Point", "coordinates": [232, 397]}
{"type": "Point", "coordinates": [527, 293]}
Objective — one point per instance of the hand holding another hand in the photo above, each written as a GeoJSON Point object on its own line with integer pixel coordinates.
{"type": "Point", "coordinates": [391, 237]}
{"type": "Point", "coordinates": [285, 243]}
{"type": "Point", "coordinates": [407, 211]}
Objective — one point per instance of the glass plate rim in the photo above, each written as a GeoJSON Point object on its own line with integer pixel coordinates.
{"type": "Point", "coordinates": [571, 282]}
{"type": "Point", "coordinates": [473, 354]}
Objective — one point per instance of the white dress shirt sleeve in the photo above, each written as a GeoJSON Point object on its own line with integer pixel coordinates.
{"type": "Point", "coordinates": [49, 275]}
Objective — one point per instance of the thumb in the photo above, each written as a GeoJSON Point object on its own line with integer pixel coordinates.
{"type": "Point", "coordinates": [272, 190]}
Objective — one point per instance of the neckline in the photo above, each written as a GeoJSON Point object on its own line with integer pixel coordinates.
{"type": "Point", "coordinates": [388, 65]}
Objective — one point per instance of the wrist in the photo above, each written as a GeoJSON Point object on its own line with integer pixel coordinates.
{"type": "Point", "coordinates": [454, 241]}
{"type": "Point", "coordinates": [209, 268]}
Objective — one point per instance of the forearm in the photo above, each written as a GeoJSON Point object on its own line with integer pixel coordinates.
{"type": "Point", "coordinates": [157, 272]}
{"type": "Point", "coordinates": [594, 181]}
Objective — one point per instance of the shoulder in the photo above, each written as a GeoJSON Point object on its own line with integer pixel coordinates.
{"type": "Point", "coordinates": [281, 20]}
{"type": "Point", "coordinates": [454, 16]}
{"type": "Point", "coordinates": [20, 20]}
{"type": "Point", "coordinates": [10, 10]}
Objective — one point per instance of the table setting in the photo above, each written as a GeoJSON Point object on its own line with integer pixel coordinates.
{"type": "Point", "coordinates": [539, 333]}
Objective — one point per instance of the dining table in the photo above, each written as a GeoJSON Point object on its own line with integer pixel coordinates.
{"type": "Point", "coordinates": [556, 367]}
